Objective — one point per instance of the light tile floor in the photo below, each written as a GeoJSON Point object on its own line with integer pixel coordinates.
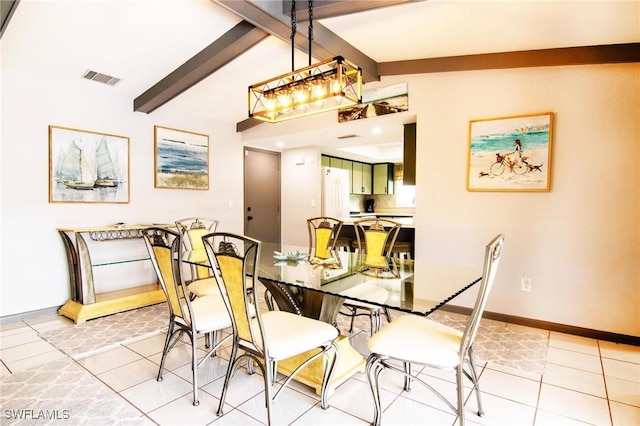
{"type": "Point", "coordinates": [586, 382]}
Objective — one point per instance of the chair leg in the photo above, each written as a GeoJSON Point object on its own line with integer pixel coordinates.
{"type": "Point", "coordinates": [353, 317]}
{"type": "Point", "coordinates": [166, 349]}
{"type": "Point", "coordinates": [194, 367]}
{"type": "Point", "coordinates": [387, 313]}
{"type": "Point", "coordinates": [376, 320]}
{"type": "Point", "coordinates": [476, 381]}
{"type": "Point", "coordinates": [407, 377]}
{"type": "Point", "coordinates": [460, 389]}
{"type": "Point", "coordinates": [373, 369]}
{"type": "Point", "coordinates": [230, 369]}
{"type": "Point", "coordinates": [268, 380]}
{"type": "Point", "coordinates": [328, 373]}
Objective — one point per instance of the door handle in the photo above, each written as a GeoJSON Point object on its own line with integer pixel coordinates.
{"type": "Point", "coordinates": [249, 217]}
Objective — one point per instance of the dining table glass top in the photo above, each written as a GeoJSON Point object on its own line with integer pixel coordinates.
{"type": "Point", "coordinates": [408, 285]}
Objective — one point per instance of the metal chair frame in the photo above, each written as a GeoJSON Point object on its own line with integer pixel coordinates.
{"type": "Point", "coordinates": [376, 362]}
{"type": "Point", "coordinates": [321, 229]}
{"type": "Point", "coordinates": [372, 226]}
{"type": "Point", "coordinates": [165, 251]}
{"type": "Point", "coordinates": [236, 259]}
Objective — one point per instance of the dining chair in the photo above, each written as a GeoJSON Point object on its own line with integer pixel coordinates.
{"type": "Point", "coordinates": [203, 315]}
{"type": "Point", "coordinates": [192, 229]}
{"type": "Point", "coordinates": [323, 234]}
{"type": "Point", "coordinates": [413, 339]}
{"type": "Point", "coordinates": [375, 239]}
{"type": "Point", "coordinates": [265, 337]}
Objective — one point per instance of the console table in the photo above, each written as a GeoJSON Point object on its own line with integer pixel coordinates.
{"type": "Point", "coordinates": [85, 303]}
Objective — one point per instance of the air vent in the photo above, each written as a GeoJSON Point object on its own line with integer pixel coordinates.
{"type": "Point", "coordinates": [348, 136]}
{"type": "Point", "coordinates": [100, 78]}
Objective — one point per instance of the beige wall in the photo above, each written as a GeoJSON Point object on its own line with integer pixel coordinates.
{"type": "Point", "coordinates": [580, 242]}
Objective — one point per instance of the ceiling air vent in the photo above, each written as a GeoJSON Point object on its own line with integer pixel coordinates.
{"type": "Point", "coordinates": [348, 136]}
{"type": "Point", "coordinates": [100, 78]}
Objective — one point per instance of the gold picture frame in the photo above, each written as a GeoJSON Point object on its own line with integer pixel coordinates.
{"type": "Point", "coordinates": [510, 153]}
{"type": "Point", "coordinates": [181, 159]}
{"type": "Point", "coordinates": [87, 167]}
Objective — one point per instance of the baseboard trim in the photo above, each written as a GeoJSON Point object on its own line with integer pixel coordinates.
{"type": "Point", "coordinates": [553, 326]}
{"type": "Point", "coordinates": [7, 319]}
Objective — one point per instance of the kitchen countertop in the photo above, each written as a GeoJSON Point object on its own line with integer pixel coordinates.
{"type": "Point", "coordinates": [405, 220]}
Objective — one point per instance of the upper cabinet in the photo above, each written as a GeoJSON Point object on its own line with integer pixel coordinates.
{"type": "Point", "coordinates": [382, 178]}
{"type": "Point", "coordinates": [361, 178]}
{"type": "Point", "coordinates": [409, 163]}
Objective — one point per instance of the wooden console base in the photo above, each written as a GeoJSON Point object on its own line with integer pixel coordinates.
{"type": "Point", "coordinates": [113, 302]}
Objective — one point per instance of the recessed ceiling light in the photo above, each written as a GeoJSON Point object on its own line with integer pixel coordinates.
{"type": "Point", "coordinates": [280, 144]}
{"type": "Point", "coordinates": [376, 131]}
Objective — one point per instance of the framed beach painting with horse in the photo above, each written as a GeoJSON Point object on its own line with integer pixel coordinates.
{"type": "Point", "coordinates": [510, 153]}
{"type": "Point", "coordinates": [181, 159]}
{"type": "Point", "coordinates": [87, 167]}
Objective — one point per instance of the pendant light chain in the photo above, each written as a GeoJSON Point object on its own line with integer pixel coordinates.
{"type": "Point", "coordinates": [294, 26]}
{"type": "Point", "coordinates": [310, 28]}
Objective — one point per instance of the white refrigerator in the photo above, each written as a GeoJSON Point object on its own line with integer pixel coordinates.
{"type": "Point", "coordinates": [335, 192]}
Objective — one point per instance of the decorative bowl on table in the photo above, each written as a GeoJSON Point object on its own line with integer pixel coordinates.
{"type": "Point", "coordinates": [294, 255]}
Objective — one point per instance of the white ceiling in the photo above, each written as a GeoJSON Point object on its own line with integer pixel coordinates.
{"type": "Point", "coordinates": [141, 41]}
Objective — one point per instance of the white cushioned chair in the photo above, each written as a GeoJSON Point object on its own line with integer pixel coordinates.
{"type": "Point", "coordinates": [204, 315]}
{"type": "Point", "coordinates": [413, 339]}
{"type": "Point", "coordinates": [264, 337]}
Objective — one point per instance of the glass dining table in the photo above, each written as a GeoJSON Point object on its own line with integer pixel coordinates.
{"type": "Point", "coordinates": [317, 288]}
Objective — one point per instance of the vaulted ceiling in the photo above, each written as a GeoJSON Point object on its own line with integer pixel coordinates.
{"type": "Point", "coordinates": [199, 56]}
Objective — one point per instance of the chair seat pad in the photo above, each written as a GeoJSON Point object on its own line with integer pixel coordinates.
{"type": "Point", "coordinates": [210, 313]}
{"type": "Point", "coordinates": [419, 340]}
{"type": "Point", "coordinates": [289, 334]}
{"type": "Point", "coordinates": [204, 287]}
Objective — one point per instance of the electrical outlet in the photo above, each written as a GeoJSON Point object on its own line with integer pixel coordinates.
{"type": "Point", "coordinates": [525, 283]}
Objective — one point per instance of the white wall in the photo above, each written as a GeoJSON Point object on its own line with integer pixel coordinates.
{"type": "Point", "coordinates": [300, 193]}
{"type": "Point", "coordinates": [34, 270]}
{"type": "Point", "coordinates": [580, 242]}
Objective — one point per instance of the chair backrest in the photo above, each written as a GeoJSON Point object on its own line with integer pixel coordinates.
{"type": "Point", "coordinates": [165, 249]}
{"type": "Point", "coordinates": [492, 254]}
{"type": "Point", "coordinates": [323, 233]}
{"type": "Point", "coordinates": [236, 259]}
{"type": "Point", "coordinates": [192, 230]}
{"type": "Point", "coordinates": [376, 238]}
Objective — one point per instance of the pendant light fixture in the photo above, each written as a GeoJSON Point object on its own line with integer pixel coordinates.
{"type": "Point", "coordinates": [324, 86]}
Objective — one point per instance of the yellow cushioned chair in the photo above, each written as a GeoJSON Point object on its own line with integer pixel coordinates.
{"type": "Point", "coordinates": [375, 239]}
{"type": "Point", "coordinates": [203, 315]}
{"type": "Point", "coordinates": [323, 234]}
{"type": "Point", "coordinates": [193, 229]}
{"type": "Point", "coordinates": [262, 336]}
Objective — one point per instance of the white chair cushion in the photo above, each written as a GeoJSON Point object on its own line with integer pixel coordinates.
{"type": "Point", "coordinates": [419, 340]}
{"type": "Point", "coordinates": [204, 287]}
{"type": "Point", "coordinates": [210, 313]}
{"type": "Point", "coordinates": [290, 334]}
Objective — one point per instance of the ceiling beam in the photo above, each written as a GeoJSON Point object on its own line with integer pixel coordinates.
{"type": "Point", "coordinates": [323, 9]}
{"type": "Point", "coordinates": [326, 44]}
{"type": "Point", "coordinates": [7, 8]}
{"type": "Point", "coordinates": [582, 55]}
{"type": "Point", "coordinates": [213, 57]}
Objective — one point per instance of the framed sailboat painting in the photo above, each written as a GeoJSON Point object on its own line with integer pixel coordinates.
{"type": "Point", "coordinates": [87, 167]}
